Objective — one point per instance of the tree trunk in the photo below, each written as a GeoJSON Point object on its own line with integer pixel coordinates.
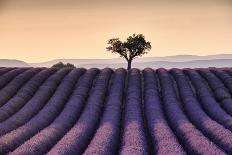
{"type": "Point", "coordinates": [129, 65]}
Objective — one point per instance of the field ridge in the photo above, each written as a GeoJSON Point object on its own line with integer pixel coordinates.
{"type": "Point", "coordinates": [115, 111]}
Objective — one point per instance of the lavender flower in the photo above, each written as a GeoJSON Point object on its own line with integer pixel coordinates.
{"type": "Point", "coordinates": [78, 137]}
{"type": "Point", "coordinates": [191, 137]}
{"type": "Point", "coordinates": [133, 138]}
{"type": "Point", "coordinates": [215, 131]}
{"type": "Point", "coordinates": [164, 140]}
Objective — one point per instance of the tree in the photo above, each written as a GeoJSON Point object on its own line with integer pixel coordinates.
{"type": "Point", "coordinates": [62, 65]}
{"type": "Point", "coordinates": [135, 46]}
{"type": "Point", "coordinates": [70, 65]}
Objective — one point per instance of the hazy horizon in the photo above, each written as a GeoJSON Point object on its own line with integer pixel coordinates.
{"type": "Point", "coordinates": [38, 31]}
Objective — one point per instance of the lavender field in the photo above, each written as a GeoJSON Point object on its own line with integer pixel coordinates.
{"type": "Point", "coordinates": [108, 112]}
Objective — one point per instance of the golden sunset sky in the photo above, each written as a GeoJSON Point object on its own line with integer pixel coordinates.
{"type": "Point", "coordinates": [41, 30]}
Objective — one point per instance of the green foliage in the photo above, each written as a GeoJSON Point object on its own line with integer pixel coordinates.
{"type": "Point", "coordinates": [62, 65]}
{"type": "Point", "coordinates": [134, 46]}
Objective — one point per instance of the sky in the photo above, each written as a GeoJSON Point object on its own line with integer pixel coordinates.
{"type": "Point", "coordinates": [37, 31]}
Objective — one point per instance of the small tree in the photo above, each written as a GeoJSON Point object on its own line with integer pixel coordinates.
{"type": "Point", "coordinates": [70, 65]}
{"type": "Point", "coordinates": [136, 45]}
{"type": "Point", "coordinates": [62, 65]}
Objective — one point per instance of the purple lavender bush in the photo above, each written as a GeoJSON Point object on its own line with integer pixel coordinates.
{"type": "Point", "coordinates": [208, 102]}
{"type": "Point", "coordinates": [43, 141]}
{"type": "Point", "coordinates": [24, 94]}
{"type": "Point", "coordinates": [215, 131]}
{"type": "Point", "coordinates": [221, 93]}
{"type": "Point", "coordinates": [5, 70]}
{"type": "Point", "coordinates": [164, 140]}
{"type": "Point", "coordinates": [106, 138]}
{"type": "Point", "coordinates": [78, 137]}
{"type": "Point", "coordinates": [133, 137]}
{"type": "Point", "coordinates": [6, 78]}
{"type": "Point", "coordinates": [35, 104]}
{"type": "Point", "coordinates": [44, 117]}
{"type": "Point", "coordinates": [11, 89]}
{"type": "Point", "coordinates": [189, 135]}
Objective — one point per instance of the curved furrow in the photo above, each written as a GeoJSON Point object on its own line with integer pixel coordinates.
{"type": "Point", "coordinates": [106, 138]}
{"type": "Point", "coordinates": [46, 138]}
{"type": "Point", "coordinates": [13, 139]}
{"type": "Point", "coordinates": [208, 102]}
{"type": "Point", "coordinates": [216, 132]}
{"type": "Point", "coordinates": [11, 89]}
{"type": "Point", "coordinates": [224, 77]}
{"type": "Point", "coordinates": [24, 94]}
{"type": "Point", "coordinates": [6, 78]}
{"type": "Point", "coordinates": [79, 136]}
{"type": "Point", "coordinates": [133, 136]}
{"type": "Point", "coordinates": [228, 70]}
{"type": "Point", "coordinates": [35, 104]}
{"type": "Point", "coordinates": [191, 137]}
{"type": "Point", "coordinates": [221, 93]}
{"type": "Point", "coordinates": [5, 70]}
{"type": "Point", "coordinates": [164, 140]}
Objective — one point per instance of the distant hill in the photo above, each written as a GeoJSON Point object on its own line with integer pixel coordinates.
{"type": "Point", "coordinates": [183, 58]}
{"type": "Point", "coordinates": [178, 61]}
{"type": "Point", "coordinates": [110, 62]}
{"type": "Point", "coordinates": [168, 64]}
{"type": "Point", "coordinates": [13, 63]}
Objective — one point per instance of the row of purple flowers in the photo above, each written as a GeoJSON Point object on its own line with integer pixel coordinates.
{"type": "Point", "coordinates": [86, 112]}
{"type": "Point", "coordinates": [208, 102]}
{"type": "Point", "coordinates": [191, 138]}
{"type": "Point", "coordinates": [163, 139]}
{"type": "Point", "coordinates": [4, 70]}
{"type": "Point", "coordinates": [45, 139]}
{"type": "Point", "coordinates": [107, 136]}
{"type": "Point", "coordinates": [220, 92]}
{"type": "Point", "coordinates": [133, 137]}
{"type": "Point", "coordinates": [78, 137]}
{"type": "Point", "coordinates": [11, 89]}
{"type": "Point", "coordinates": [32, 117]}
{"type": "Point", "coordinates": [215, 131]}
{"type": "Point", "coordinates": [9, 75]}
{"type": "Point", "coordinates": [24, 94]}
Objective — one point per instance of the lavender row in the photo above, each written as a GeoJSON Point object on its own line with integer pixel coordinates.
{"type": "Point", "coordinates": [24, 94]}
{"type": "Point", "coordinates": [78, 137]}
{"type": "Point", "coordinates": [228, 70]}
{"type": "Point", "coordinates": [11, 88]}
{"type": "Point", "coordinates": [6, 78]}
{"type": "Point", "coordinates": [189, 135]}
{"type": "Point", "coordinates": [35, 104]}
{"type": "Point", "coordinates": [224, 77]}
{"type": "Point", "coordinates": [164, 140]}
{"type": "Point", "coordinates": [220, 91]}
{"type": "Point", "coordinates": [5, 70]}
{"type": "Point", "coordinates": [43, 141]}
{"type": "Point", "coordinates": [48, 113]}
{"type": "Point", "coordinates": [106, 138]}
{"type": "Point", "coordinates": [216, 132]}
{"type": "Point", "coordinates": [218, 88]}
{"type": "Point", "coordinates": [133, 137]}
{"type": "Point", "coordinates": [208, 102]}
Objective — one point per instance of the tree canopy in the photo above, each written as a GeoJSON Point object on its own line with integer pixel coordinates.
{"type": "Point", "coordinates": [62, 65]}
{"type": "Point", "coordinates": [134, 46]}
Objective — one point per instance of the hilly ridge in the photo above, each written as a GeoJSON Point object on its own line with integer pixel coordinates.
{"type": "Point", "coordinates": [179, 61]}
{"type": "Point", "coordinates": [13, 63]}
{"type": "Point", "coordinates": [78, 111]}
